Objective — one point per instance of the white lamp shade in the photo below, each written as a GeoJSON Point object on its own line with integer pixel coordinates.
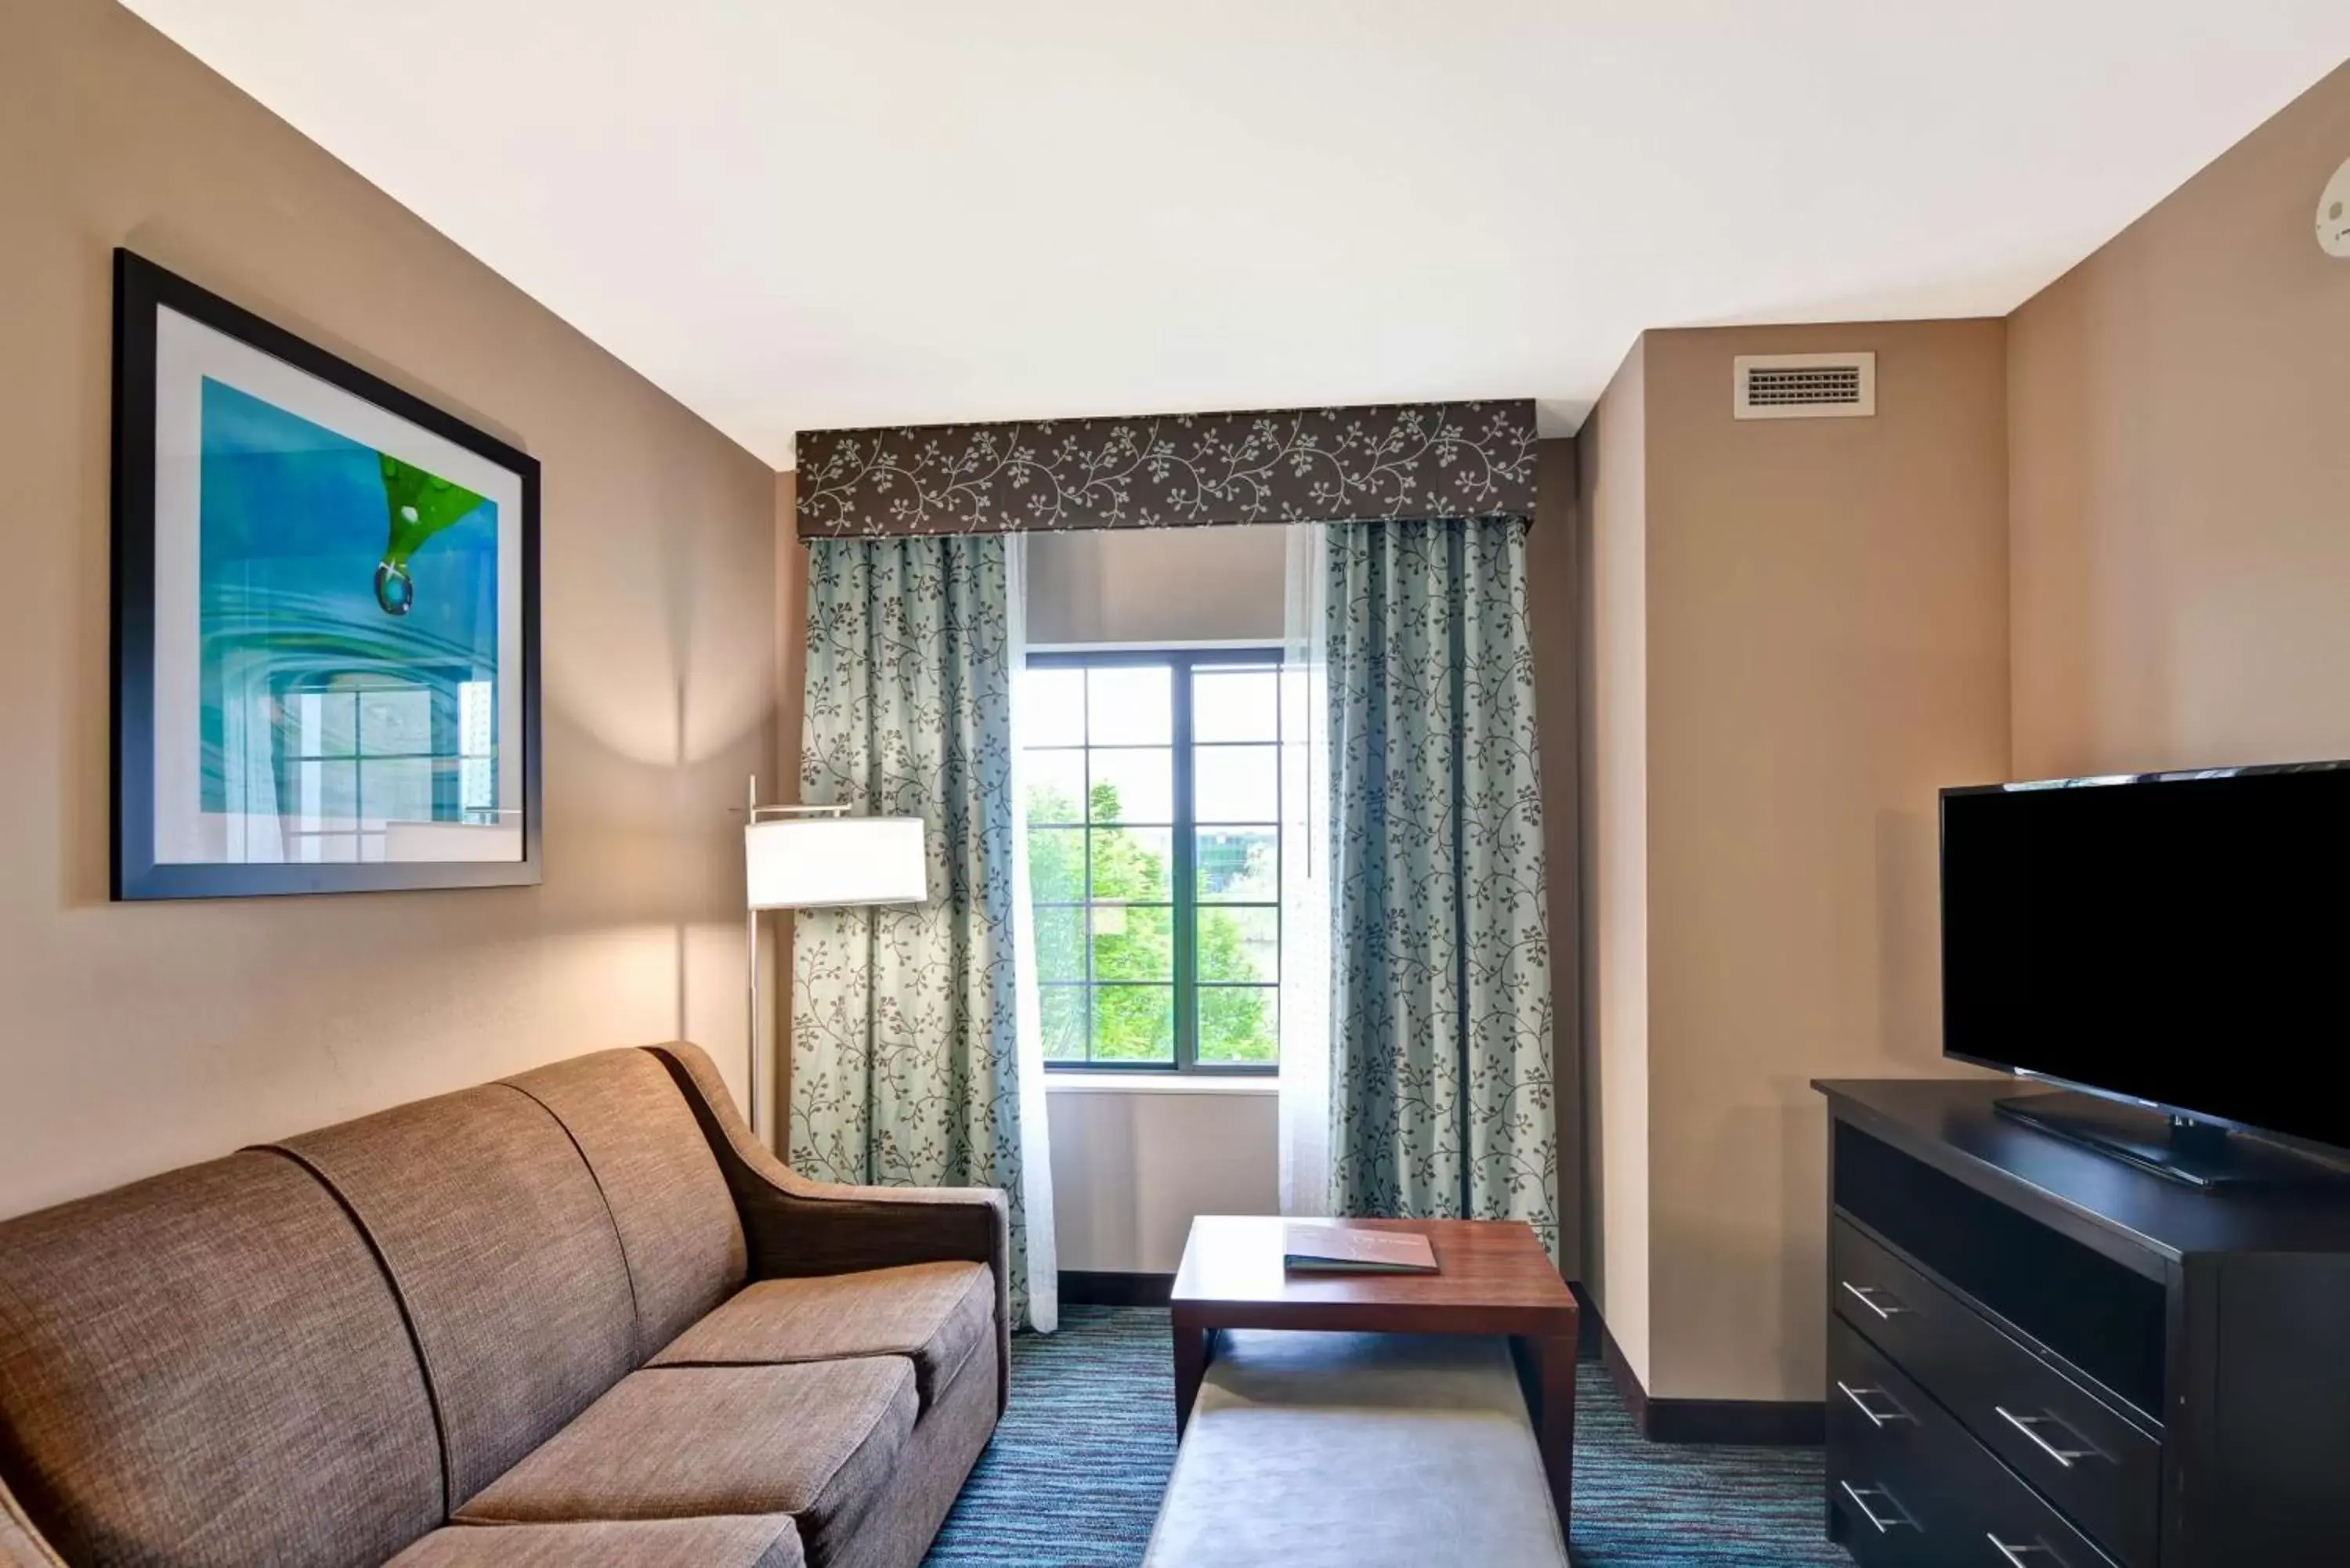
{"type": "Point", "coordinates": [824, 862]}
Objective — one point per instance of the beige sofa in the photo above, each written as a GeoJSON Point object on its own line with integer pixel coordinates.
{"type": "Point", "coordinates": [577, 1317]}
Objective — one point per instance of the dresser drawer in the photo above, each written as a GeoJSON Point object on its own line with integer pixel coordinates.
{"type": "Point", "coordinates": [1913, 1488]}
{"type": "Point", "coordinates": [2099, 1467]}
{"type": "Point", "coordinates": [1879, 1462]}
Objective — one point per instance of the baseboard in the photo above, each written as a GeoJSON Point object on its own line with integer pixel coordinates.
{"type": "Point", "coordinates": [1749, 1423]}
{"type": "Point", "coordinates": [1619, 1371]}
{"type": "Point", "coordinates": [1089, 1287]}
{"type": "Point", "coordinates": [1755, 1423]}
{"type": "Point", "coordinates": [1587, 1327]}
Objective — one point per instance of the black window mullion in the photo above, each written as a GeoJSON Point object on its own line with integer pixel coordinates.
{"type": "Point", "coordinates": [1280, 849]}
{"type": "Point", "coordinates": [1085, 847]}
{"type": "Point", "coordinates": [1186, 891]}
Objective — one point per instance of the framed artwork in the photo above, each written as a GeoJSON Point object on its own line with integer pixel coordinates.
{"type": "Point", "coordinates": [326, 618]}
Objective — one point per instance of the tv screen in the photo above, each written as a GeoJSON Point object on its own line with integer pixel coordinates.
{"type": "Point", "coordinates": [2180, 940]}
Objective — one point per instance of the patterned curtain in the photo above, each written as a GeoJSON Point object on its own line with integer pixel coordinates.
{"type": "Point", "coordinates": [905, 1032]}
{"type": "Point", "coordinates": [1442, 1102]}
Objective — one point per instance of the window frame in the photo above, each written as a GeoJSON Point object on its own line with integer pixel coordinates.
{"type": "Point", "coordinates": [444, 755]}
{"type": "Point", "coordinates": [1181, 662]}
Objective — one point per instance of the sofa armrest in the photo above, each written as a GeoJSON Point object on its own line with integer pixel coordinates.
{"type": "Point", "coordinates": [820, 1227]}
{"type": "Point", "coordinates": [21, 1545]}
{"type": "Point", "coordinates": [794, 1227]}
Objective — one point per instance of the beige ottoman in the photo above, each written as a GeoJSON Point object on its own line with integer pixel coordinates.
{"type": "Point", "coordinates": [1318, 1450]}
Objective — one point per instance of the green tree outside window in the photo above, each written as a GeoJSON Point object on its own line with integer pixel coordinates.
{"type": "Point", "coordinates": [1133, 940]}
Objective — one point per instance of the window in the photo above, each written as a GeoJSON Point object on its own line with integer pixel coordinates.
{"type": "Point", "coordinates": [361, 753]}
{"type": "Point", "coordinates": [1153, 785]}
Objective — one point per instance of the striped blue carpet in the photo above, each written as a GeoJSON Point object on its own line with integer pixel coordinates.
{"type": "Point", "coordinates": [1074, 1476]}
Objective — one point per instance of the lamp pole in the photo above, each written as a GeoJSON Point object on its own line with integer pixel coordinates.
{"type": "Point", "coordinates": [751, 952]}
{"type": "Point", "coordinates": [754, 814]}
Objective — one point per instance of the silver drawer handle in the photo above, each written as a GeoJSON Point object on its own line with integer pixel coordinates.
{"type": "Point", "coordinates": [2015, 1554]}
{"type": "Point", "coordinates": [1860, 1398]}
{"type": "Point", "coordinates": [1860, 1496]}
{"type": "Point", "coordinates": [2030, 1427]}
{"type": "Point", "coordinates": [1866, 1297]}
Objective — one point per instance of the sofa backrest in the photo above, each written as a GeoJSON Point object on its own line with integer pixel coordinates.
{"type": "Point", "coordinates": [503, 1258]}
{"type": "Point", "coordinates": [209, 1370]}
{"type": "Point", "coordinates": [679, 1233]}
{"type": "Point", "coordinates": [315, 1352]}
{"type": "Point", "coordinates": [545, 1236]}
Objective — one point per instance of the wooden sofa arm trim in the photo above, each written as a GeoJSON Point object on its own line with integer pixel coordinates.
{"type": "Point", "coordinates": [21, 1545]}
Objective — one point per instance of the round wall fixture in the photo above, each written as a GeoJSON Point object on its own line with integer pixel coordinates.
{"type": "Point", "coordinates": [2334, 214]}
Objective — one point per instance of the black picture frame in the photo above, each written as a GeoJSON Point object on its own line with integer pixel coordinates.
{"type": "Point", "coordinates": [141, 289]}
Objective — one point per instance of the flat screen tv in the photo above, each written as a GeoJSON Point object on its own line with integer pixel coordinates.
{"type": "Point", "coordinates": [2179, 942]}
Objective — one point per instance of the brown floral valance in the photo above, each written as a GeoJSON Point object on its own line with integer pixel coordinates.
{"type": "Point", "coordinates": [1329, 465]}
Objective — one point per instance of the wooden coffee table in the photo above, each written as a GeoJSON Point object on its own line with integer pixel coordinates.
{"type": "Point", "coordinates": [1494, 1278]}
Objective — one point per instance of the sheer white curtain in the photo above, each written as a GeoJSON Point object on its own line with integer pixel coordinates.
{"type": "Point", "coordinates": [1035, 1134]}
{"type": "Point", "coordinates": [1305, 974]}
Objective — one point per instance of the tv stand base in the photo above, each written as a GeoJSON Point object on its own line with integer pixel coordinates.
{"type": "Point", "coordinates": [2195, 1153]}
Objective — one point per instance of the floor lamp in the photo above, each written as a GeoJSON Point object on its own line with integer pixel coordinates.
{"type": "Point", "coordinates": [821, 857]}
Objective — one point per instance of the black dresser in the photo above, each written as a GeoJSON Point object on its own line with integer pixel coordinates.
{"type": "Point", "coordinates": [2042, 1357]}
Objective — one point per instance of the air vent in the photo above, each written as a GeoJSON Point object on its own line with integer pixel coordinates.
{"type": "Point", "coordinates": [1805, 386]}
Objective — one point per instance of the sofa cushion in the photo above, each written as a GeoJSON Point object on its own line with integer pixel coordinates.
{"type": "Point", "coordinates": [504, 1256]}
{"type": "Point", "coordinates": [936, 1313]}
{"type": "Point", "coordinates": [767, 1541]}
{"type": "Point", "coordinates": [209, 1368]}
{"type": "Point", "coordinates": [678, 1230]}
{"type": "Point", "coordinates": [817, 1441]}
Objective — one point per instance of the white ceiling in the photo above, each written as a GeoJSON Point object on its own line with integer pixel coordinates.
{"type": "Point", "coordinates": [798, 215]}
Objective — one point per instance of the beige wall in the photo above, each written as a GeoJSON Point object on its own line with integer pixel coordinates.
{"type": "Point", "coordinates": [2106, 535]}
{"type": "Point", "coordinates": [1155, 586]}
{"type": "Point", "coordinates": [783, 789]}
{"type": "Point", "coordinates": [1611, 484]}
{"type": "Point", "coordinates": [2179, 451]}
{"type": "Point", "coordinates": [791, 639]}
{"type": "Point", "coordinates": [1825, 643]}
{"type": "Point", "coordinates": [1132, 1164]}
{"type": "Point", "coordinates": [1554, 597]}
{"type": "Point", "coordinates": [139, 1037]}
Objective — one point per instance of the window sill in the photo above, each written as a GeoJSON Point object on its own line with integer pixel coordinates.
{"type": "Point", "coordinates": [1161, 1084]}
